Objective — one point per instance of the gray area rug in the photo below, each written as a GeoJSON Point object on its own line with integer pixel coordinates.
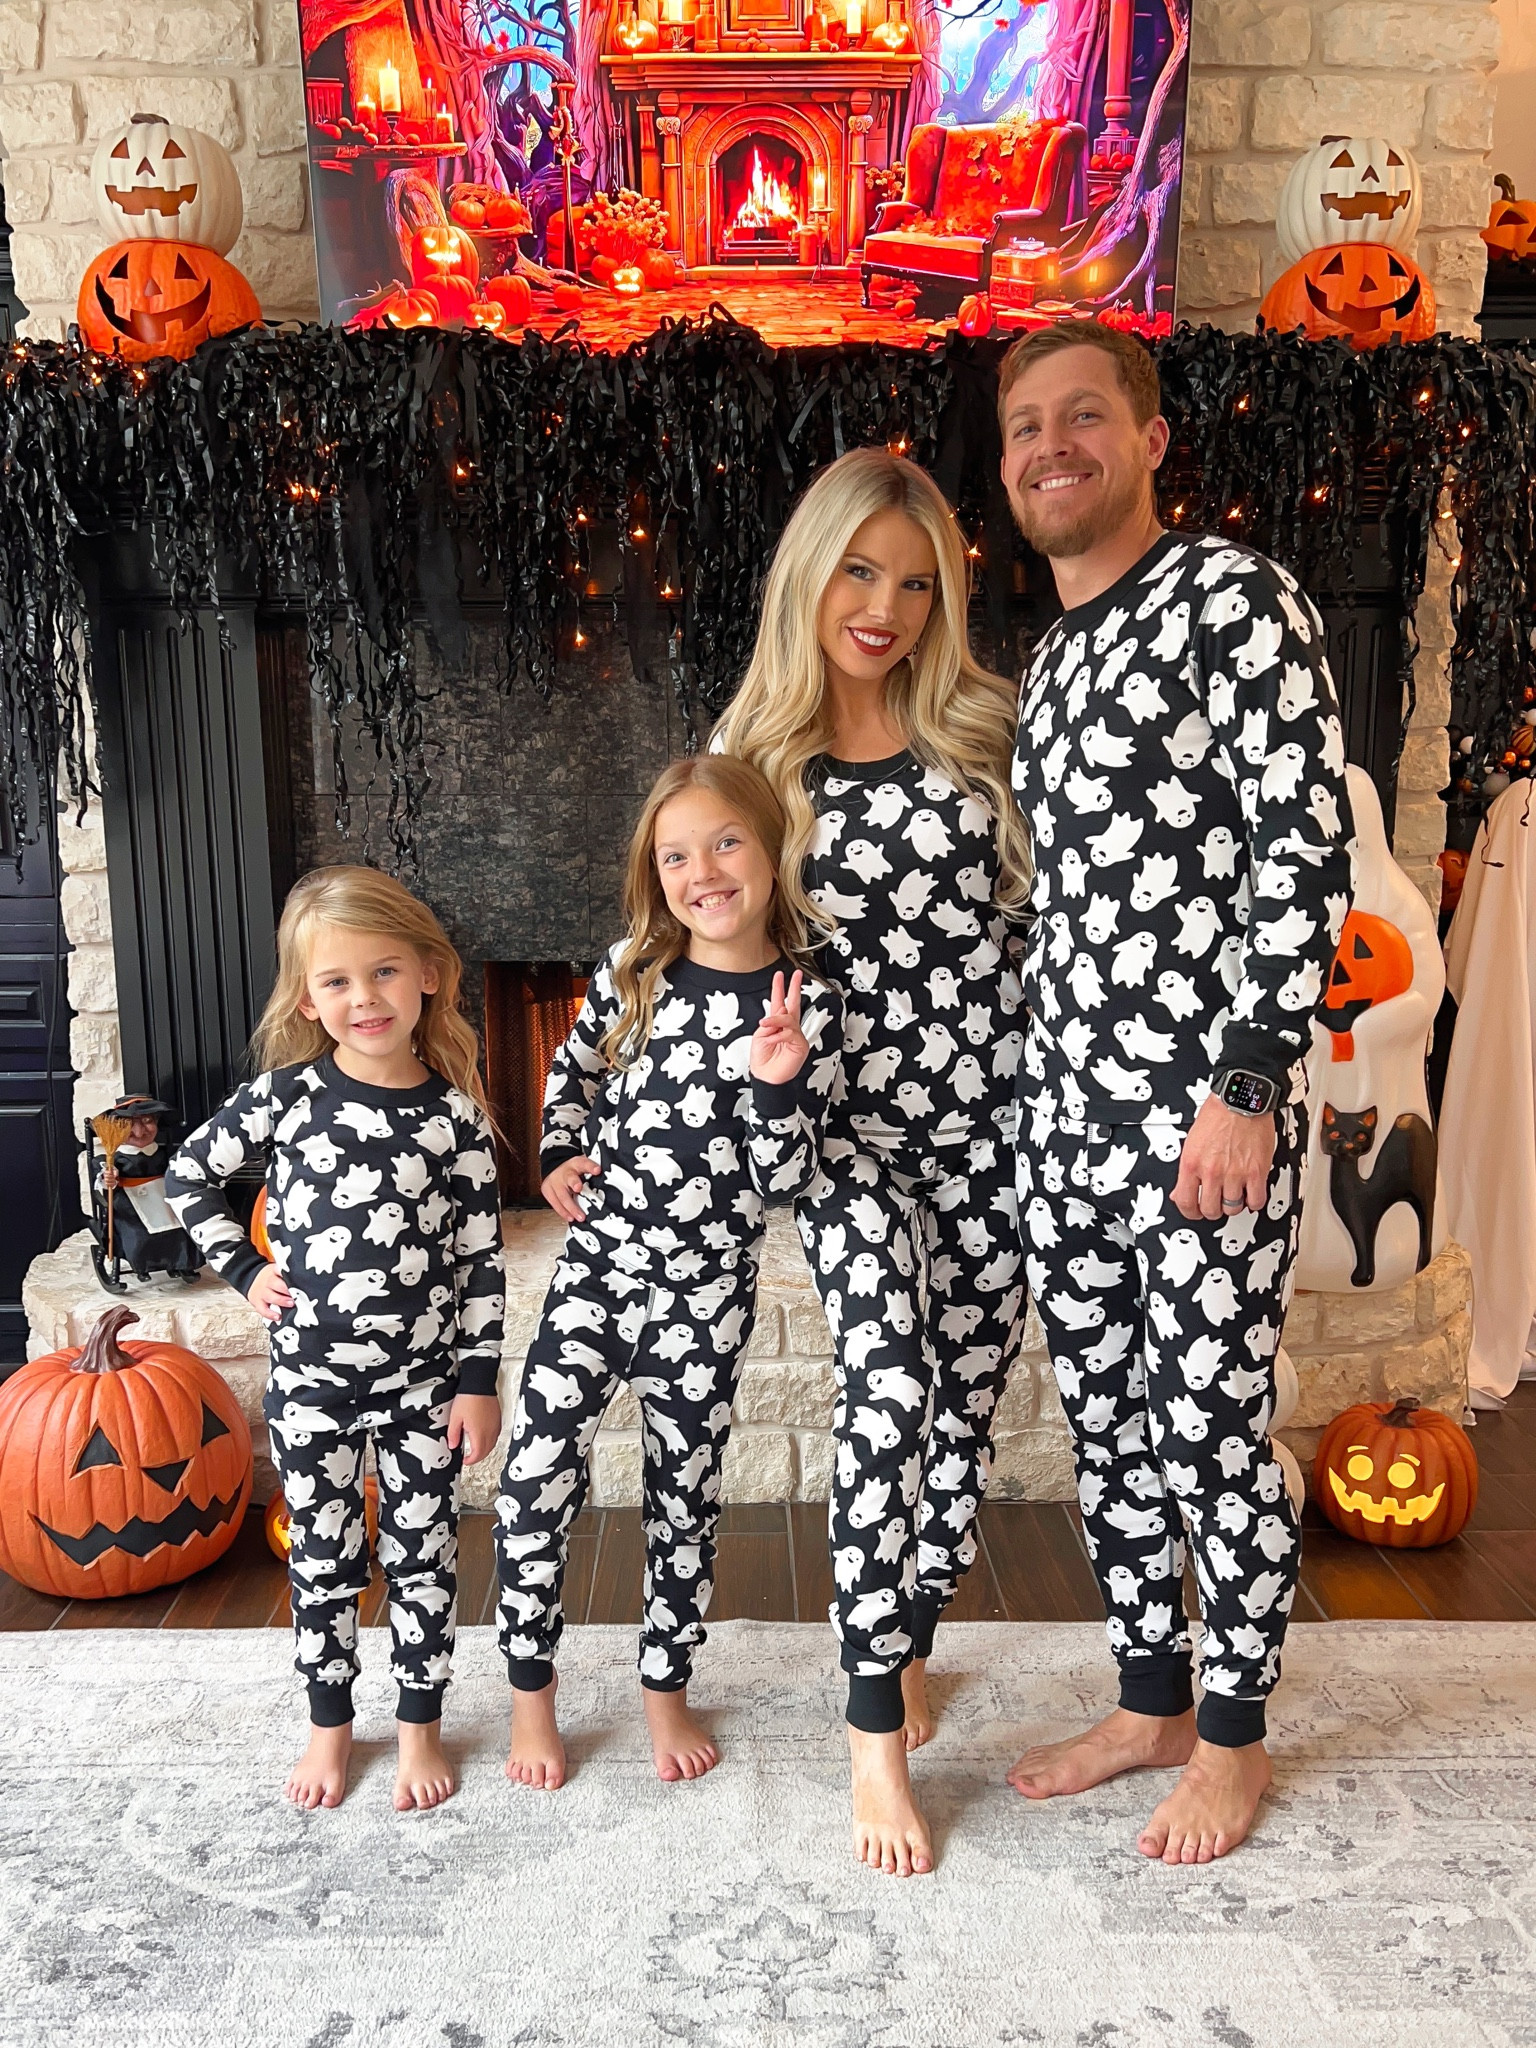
{"type": "Point", "coordinates": [154, 1889]}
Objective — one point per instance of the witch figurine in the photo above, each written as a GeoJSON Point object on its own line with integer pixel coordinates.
{"type": "Point", "coordinates": [128, 1148]}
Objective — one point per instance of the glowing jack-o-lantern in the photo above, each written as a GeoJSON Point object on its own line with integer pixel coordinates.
{"type": "Point", "coordinates": [1511, 231]}
{"type": "Point", "coordinates": [155, 181]}
{"type": "Point", "coordinates": [1351, 188]}
{"type": "Point", "coordinates": [145, 299]}
{"type": "Point", "coordinates": [628, 280]}
{"type": "Point", "coordinates": [443, 251]}
{"type": "Point", "coordinates": [123, 1467]}
{"type": "Point", "coordinates": [1401, 1476]}
{"type": "Point", "coordinates": [1373, 963]}
{"type": "Point", "coordinates": [634, 35]}
{"type": "Point", "coordinates": [278, 1527]}
{"type": "Point", "coordinates": [1356, 292]}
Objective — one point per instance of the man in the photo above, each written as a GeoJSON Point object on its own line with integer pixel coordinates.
{"type": "Point", "coordinates": [1181, 762]}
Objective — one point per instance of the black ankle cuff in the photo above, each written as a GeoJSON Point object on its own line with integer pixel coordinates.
{"type": "Point", "coordinates": [420, 1704]}
{"type": "Point", "coordinates": [926, 1609]}
{"type": "Point", "coordinates": [330, 1706]}
{"type": "Point", "coordinates": [1230, 1724]}
{"type": "Point", "coordinates": [1161, 1686]}
{"type": "Point", "coordinates": [875, 1704]}
{"type": "Point", "coordinates": [530, 1674]}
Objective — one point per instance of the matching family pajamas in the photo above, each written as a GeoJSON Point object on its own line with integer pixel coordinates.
{"type": "Point", "coordinates": [384, 1220]}
{"type": "Point", "coordinates": [911, 1227]}
{"type": "Point", "coordinates": [657, 1287]}
{"type": "Point", "coordinates": [1181, 763]}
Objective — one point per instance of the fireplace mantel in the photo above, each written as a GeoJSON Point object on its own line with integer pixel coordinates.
{"type": "Point", "coordinates": [691, 105]}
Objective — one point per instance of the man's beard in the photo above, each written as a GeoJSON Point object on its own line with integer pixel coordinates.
{"type": "Point", "coordinates": [1058, 541]}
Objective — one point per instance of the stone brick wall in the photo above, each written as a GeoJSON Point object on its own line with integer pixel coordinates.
{"type": "Point", "coordinates": [94, 1050]}
{"type": "Point", "coordinates": [72, 69]}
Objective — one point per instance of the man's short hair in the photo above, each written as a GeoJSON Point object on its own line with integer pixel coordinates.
{"type": "Point", "coordinates": [1133, 362]}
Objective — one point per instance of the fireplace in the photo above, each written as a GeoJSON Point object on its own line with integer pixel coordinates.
{"type": "Point", "coordinates": [761, 201]}
{"type": "Point", "coordinates": [530, 1007]}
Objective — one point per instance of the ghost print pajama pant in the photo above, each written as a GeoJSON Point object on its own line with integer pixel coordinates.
{"type": "Point", "coordinates": [1163, 1335]}
{"type": "Point", "coordinates": [318, 1446]}
{"type": "Point", "coordinates": [920, 1277]}
{"type": "Point", "coordinates": [674, 1326]}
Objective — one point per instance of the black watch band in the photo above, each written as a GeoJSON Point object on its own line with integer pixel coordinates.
{"type": "Point", "coordinates": [1248, 1093]}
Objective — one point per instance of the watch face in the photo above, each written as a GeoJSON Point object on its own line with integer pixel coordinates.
{"type": "Point", "coordinates": [1250, 1094]}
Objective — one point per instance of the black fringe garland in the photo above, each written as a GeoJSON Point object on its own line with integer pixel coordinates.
{"type": "Point", "coordinates": [356, 473]}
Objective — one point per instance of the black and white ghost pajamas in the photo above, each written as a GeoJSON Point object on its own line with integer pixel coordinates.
{"type": "Point", "coordinates": [911, 1227]}
{"type": "Point", "coordinates": [384, 1220]}
{"type": "Point", "coordinates": [657, 1287]}
{"type": "Point", "coordinates": [1181, 762]}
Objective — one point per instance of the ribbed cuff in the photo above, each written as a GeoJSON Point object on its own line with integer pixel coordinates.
{"type": "Point", "coordinates": [242, 1268]}
{"type": "Point", "coordinates": [875, 1704]}
{"type": "Point", "coordinates": [478, 1375]}
{"type": "Point", "coordinates": [530, 1674]}
{"type": "Point", "coordinates": [330, 1706]}
{"type": "Point", "coordinates": [775, 1099]}
{"type": "Point", "coordinates": [1160, 1686]}
{"type": "Point", "coordinates": [924, 1619]}
{"type": "Point", "coordinates": [666, 1684]}
{"type": "Point", "coordinates": [420, 1704]}
{"type": "Point", "coordinates": [1230, 1724]}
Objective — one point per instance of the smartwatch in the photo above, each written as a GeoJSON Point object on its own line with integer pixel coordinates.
{"type": "Point", "coordinates": [1249, 1094]}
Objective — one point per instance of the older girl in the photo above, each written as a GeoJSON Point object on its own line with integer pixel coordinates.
{"type": "Point", "coordinates": [890, 750]}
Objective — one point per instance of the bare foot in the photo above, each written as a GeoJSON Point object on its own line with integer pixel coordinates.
{"type": "Point", "coordinates": [537, 1755]}
{"type": "Point", "coordinates": [889, 1832]}
{"type": "Point", "coordinates": [1122, 1741]}
{"type": "Point", "coordinates": [319, 1778]}
{"type": "Point", "coordinates": [914, 1698]}
{"type": "Point", "coordinates": [425, 1777]}
{"type": "Point", "coordinates": [1211, 1808]}
{"type": "Point", "coordinates": [682, 1744]}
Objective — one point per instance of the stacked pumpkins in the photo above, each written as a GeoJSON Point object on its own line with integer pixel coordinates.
{"type": "Point", "coordinates": [171, 196]}
{"type": "Point", "coordinates": [1347, 223]}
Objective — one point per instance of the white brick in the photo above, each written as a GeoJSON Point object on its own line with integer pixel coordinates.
{"type": "Point", "coordinates": [191, 32]}
{"type": "Point", "coordinates": [276, 193]}
{"type": "Point", "coordinates": [1419, 826]}
{"type": "Point", "coordinates": [92, 979]}
{"type": "Point", "coordinates": [809, 1336]}
{"type": "Point", "coordinates": [1218, 270]}
{"type": "Point", "coordinates": [38, 116]}
{"type": "Point", "coordinates": [82, 847]}
{"type": "Point", "coordinates": [279, 32]}
{"type": "Point", "coordinates": [1460, 114]}
{"type": "Point", "coordinates": [28, 180]}
{"type": "Point", "coordinates": [21, 43]}
{"type": "Point", "coordinates": [1195, 193]}
{"type": "Point", "coordinates": [86, 912]}
{"type": "Point", "coordinates": [1251, 32]}
{"type": "Point", "coordinates": [616, 1462]}
{"type": "Point", "coordinates": [1455, 265]}
{"type": "Point", "coordinates": [1425, 766]}
{"type": "Point", "coordinates": [72, 197]}
{"type": "Point", "coordinates": [93, 1046]}
{"type": "Point", "coordinates": [1017, 1408]}
{"type": "Point", "coordinates": [206, 103]}
{"type": "Point", "coordinates": [759, 1466]}
{"type": "Point", "coordinates": [274, 110]}
{"type": "Point", "coordinates": [1216, 107]}
{"type": "Point", "coordinates": [1458, 192]}
{"type": "Point", "coordinates": [1421, 35]}
{"type": "Point", "coordinates": [798, 1392]}
{"type": "Point", "coordinates": [1033, 1464]}
{"type": "Point", "coordinates": [1247, 194]}
{"type": "Point", "coordinates": [281, 272]}
{"type": "Point", "coordinates": [93, 1094]}
{"type": "Point", "coordinates": [49, 266]}
{"type": "Point", "coordinates": [814, 1454]}
{"type": "Point", "coordinates": [767, 1339]}
{"type": "Point", "coordinates": [1294, 113]}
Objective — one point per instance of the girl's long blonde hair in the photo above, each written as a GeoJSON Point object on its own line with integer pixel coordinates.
{"type": "Point", "coordinates": [955, 715]}
{"type": "Point", "coordinates": [363, 900]}
{"type": "Point", "coordinates": [655, 938]}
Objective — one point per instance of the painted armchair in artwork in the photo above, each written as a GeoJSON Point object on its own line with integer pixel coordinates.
{"type": "Point", "coordinates": [972, 191]}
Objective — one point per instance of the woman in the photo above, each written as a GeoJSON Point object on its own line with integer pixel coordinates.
{"type": "Point", "coordinates": [890, 750]}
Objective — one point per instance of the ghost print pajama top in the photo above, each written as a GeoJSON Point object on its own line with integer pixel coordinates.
{"type": "Point", "coordinates": [1181, 762]}
{"type": "Point", "coordinates": [656, 1287]}
{"type": "Point", "coordinates": [385, 1223]}
{"type": "Point", "coordinates": [911, 1229]}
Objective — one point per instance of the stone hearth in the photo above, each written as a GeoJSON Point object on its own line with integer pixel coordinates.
{"type": "Point", "coordinates": [1409, 1340]}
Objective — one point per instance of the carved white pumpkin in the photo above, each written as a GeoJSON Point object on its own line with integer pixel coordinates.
{"type": "Point", "coordinates": [155, 181]}
{"type": "Point", "coordinates": [1351, 188]}
{"type": "Point", "coordinates": [1371, 1129]}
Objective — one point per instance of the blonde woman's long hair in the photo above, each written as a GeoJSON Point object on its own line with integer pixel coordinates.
{"type": "Point", "coordinates": [655, 938]}
{"type": "Point", "coordinates": [955, 715]}
{"type": "Point", "coordinates": [363, 900]}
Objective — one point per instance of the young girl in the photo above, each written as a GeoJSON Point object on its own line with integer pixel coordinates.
{"type": "Point", "coordinates": [384, 1291]}
{"type": "Point", "coordinates": [691, 1092]}
{"type": "Point", "coordinates": [891, 752]}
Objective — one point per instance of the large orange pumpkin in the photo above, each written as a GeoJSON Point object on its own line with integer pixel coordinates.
{"type": "Point", "coordinates": [1373, 963]}
{"type": "Point", "coordinates": [140, 300]}
{"type": "Point", "coordinates": [1358, 292]}
{"type": "Point", "coordinates": [514, 297]}
{"type": "Point", "coordinates": [1401, 1476]}
{"type": "Point", "coordinates": [1511, 231]}
{"type": "Point", "coordinates": [123, 1467]}
{"type": "Point", "coordinates": [258, 1230]}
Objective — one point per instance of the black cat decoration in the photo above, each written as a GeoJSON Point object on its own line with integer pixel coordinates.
{"type": "Point", "coordinates": [1404, 1171]}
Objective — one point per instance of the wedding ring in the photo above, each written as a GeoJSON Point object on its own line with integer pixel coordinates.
{"type": "Point", "coordinates": [1231, 1208]}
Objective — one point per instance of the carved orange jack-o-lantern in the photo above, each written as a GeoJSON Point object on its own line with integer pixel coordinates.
{"type": "Point", "coordinates": [140, 300]}
{"type": "Point", "coordinates": [1374, 962]}
{"type": "Point", "coordinates": [1511, 231]}
{"type": "Point", "coordinates": [1404, 1477]}
{"type": "Point", "coordinates": [635, 35]}
{"type": "Point", "coordinates": [1357, 292]}
{"type": "Point", "coordinates": [123, 1467]}
{"type": "Point", "coordinates": [628, 280]}
{"type": "Point", "coordinates": [155, 181]}
{"type": "Point", "coordinates": [441, 252]}
{"type": "Point", "coordinates": [278, 1527]}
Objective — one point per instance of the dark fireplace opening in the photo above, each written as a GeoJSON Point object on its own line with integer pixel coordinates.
{"type": "Point", "coordinates": [530, 1007]}
{"type": "Point", "coordinates": [763, 202]}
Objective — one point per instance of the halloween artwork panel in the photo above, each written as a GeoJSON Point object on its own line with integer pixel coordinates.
{"type": "Point", "coordinates": [824, 169]}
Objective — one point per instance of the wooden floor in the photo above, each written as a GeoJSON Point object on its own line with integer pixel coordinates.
{"type": "Point", "coordinates": [773, 1566]}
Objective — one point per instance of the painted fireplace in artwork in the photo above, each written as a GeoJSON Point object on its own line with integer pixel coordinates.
{"type": "Point", "coordinates": [890, 156]}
